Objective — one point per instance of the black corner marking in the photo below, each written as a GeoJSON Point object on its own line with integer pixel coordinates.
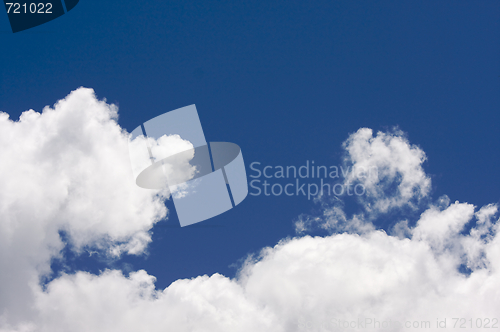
{"type": "Point", "coordinates": [70, 4]}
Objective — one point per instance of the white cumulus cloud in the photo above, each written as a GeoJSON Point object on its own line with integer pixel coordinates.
{"type": "Point", "coordinates": [66, 169]}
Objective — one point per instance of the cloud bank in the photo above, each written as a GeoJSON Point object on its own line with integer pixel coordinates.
{"type": "Point", "coordinates": [66, 169]}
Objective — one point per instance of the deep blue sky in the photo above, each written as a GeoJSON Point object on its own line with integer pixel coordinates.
{"type": "Point", "coordinates": [285, 80]}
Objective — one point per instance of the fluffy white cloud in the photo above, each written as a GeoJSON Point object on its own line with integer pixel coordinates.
{"type": "Point", "coordinates": [388, 167]}
{"type": "Point", "coordinates": [64, 162]}
{"type": "Point", "coordinates": [111, 302]}
{"type": "Point", "coordinates": [66, 169]}
{"type": "Point", "coordinates": [317, 281]}
{"type": "Point", "coordinates": [163, 163]}
{"type": "Point", "coordinates": [302, 284]}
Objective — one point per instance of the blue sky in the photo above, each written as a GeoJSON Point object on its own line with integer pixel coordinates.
{"type": "Point", "coordinates": [288, 81]}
